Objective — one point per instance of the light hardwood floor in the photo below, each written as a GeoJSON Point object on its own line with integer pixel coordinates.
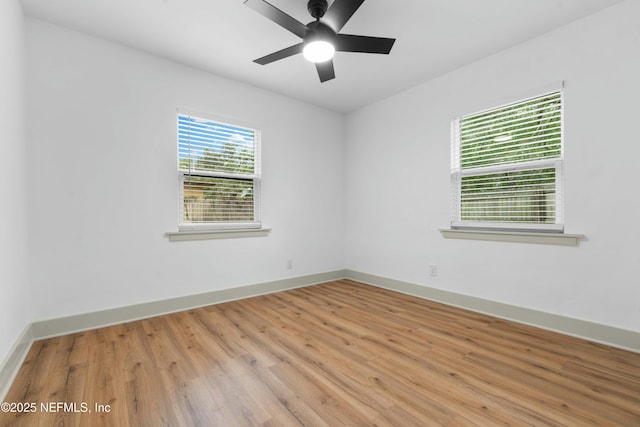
{"type": "Point", "coordinates": [335, 354]}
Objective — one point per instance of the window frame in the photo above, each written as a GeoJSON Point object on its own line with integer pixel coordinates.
{"type": "Point", "coordinates": [457, 172]}
{"type": "Point", "coordinates": [255, 178]}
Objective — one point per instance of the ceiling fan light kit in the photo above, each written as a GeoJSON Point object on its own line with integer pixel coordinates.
{"type": "Point", "coordinates": [320, 38]}
{"type": "Point", "coordinates": [318, 51]}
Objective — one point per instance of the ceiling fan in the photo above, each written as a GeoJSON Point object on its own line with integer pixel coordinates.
{"type": "Point", "coordinates": [320, 38]}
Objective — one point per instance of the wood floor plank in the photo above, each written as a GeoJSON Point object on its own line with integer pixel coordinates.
{"type": "Point", "coordinates": [339, 353]}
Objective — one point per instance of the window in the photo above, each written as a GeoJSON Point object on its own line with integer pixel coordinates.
{"type": "Point", "coordinates": [218, 174]}
{"type": "Point", "coordinates": [507, 164]}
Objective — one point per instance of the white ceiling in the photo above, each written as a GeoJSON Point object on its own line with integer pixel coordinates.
{"type": "Point", "coordinates": [224, 37]}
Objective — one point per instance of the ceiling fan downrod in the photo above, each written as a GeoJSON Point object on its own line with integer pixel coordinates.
{"type": "Point", "coordinates": [317, 8]}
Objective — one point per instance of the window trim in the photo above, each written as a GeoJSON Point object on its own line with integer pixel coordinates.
{"type": "Point", "coordinates": [218, 229]}
{"type": "Point", "coordinates": [189, 235]}
{"type": "Point", "coordinates": [457, 173]}
{"type": "Point", "coordinates": [560, 239]}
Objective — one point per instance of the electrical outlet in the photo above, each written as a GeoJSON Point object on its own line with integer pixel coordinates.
{"type": "Point", "coordinates": [289, 264]}
{"type": "Point", "coordinates": [433, 270]}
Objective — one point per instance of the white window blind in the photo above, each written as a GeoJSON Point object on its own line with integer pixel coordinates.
{"type": "Point", "coordinates": [218, 173]}
{"type": "Point", "coordinates": [507, 166]}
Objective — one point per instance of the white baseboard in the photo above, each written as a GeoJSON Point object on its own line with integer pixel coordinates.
{"type": "Point", "coordinates": [42, 329]}
{"type": "Point", "coordinates": [604, 334]}
{"type": "Point", "coordinates": [11, 364]}
{"type": "Point", "coordinates": [609, 335]}
{"type": "Point", "coordinates": [98, 319]}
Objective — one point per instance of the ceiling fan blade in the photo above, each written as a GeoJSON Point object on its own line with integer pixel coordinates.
{"type": "Point", "coordinates": [325, 70]}
{"type": "Point", "coordinates": [281, 54]}
{"type": "Point", "coordinates": [364, 44]}
{"type": "Point", "coordinates": [340, 12]}
{"type": "Point", "coordinates": [279, 17]}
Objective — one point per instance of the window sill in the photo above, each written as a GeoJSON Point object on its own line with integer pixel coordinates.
{"type": "Point", "coordinates": [183, 236]}
{"type": "Point", "coordinates": [514, 236]}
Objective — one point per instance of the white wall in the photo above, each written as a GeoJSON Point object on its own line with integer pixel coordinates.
{"type": "Point", "coordinates": [397, 179]}
{"type": "Point", "coordinates": [101, 140]}
{"type": "Point", "coordinates": [102, 151]}
{"type": "Point", "coordinates": [14, 291]}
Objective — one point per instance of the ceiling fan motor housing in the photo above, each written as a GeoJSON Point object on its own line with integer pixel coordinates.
{"type": "Point", "coordinates": [317, 8]}
{"type": "Point", "coordinates": [319, 31]}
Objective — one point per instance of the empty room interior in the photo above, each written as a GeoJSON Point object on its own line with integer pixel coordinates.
{"type": "Point", "coordinates": [204, 224]}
